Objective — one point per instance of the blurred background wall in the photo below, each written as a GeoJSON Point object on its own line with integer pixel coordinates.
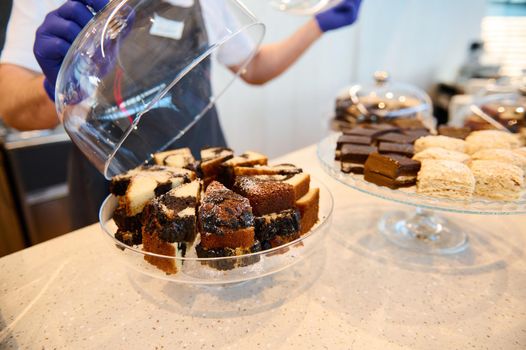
{"type": "Point", "coordinates": [416, 41]}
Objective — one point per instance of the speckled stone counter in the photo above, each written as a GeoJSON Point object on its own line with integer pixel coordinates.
{"type": "Point", "coordinates": [359, 292]}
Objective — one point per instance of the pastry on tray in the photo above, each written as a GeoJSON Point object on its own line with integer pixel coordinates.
{"type": "Point", "coordinates": [445, 179]}
{"type": "Point", "coordinates": [488, 139]}
{"type": "Point", "coordinates": [446, 159]}
{"type": "Point", "coordinates": [391, 170]}
{"type": "Point", "coordinates": [443, 154]}
{"type": "Point", "coordinates": [501, 155]}
{"type": "Point", "coordinates": [497, 180]}
{"type": "Point", "coordinates": [445, 142]}
{"type": "Point", "coordinates": [353, 157]}
{"type": "Point", "coordinates": [172, 210]}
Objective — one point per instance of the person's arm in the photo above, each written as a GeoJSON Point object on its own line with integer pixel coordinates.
{"type": "Point", "coordinates": [273, 59]}
{"type": "Point", "coordinates": [24, 104]}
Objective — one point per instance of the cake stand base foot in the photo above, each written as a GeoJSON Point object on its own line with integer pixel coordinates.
{"type": "Point", "coordinates": [423, 232]}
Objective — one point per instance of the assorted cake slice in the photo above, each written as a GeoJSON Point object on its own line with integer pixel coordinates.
{"type": "Point", "coordinates": [170, 226]}
{"type": "Point", "coordinates": [170, 211]}
{"type": "Point", "coordinates": [135, 189]}
{"type": "Point", "coordinates": [226, 225]}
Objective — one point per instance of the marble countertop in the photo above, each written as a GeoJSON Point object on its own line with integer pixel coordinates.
{"type": "Point", "coordinates": [358, 292]}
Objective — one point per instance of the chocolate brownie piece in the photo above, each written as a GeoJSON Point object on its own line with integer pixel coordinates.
{"type": "Point", "coordinates": [396, 138]}
{"type": "Point", "coordinates": [403, 149]}
{"type": "Point", "coordinates": [353, 139]}
{"type": "Point", "coordinates": [391, 170]}
{"type": "Point", "coordinates": [364, 132]}
{"type": "Point", "coordinates": [353, 157]}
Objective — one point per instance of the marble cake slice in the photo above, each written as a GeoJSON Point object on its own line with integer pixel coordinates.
{"type": "Point", "coordinates": [211, 160]}
{"type": "Point", "coordinates": [285, 224]}
{"type": "Point", "coordinates": [170, 225]}
{"type": "Point", "coordinates": [247, 159]}
{"type": "Point", "coordinates": [178, 158]}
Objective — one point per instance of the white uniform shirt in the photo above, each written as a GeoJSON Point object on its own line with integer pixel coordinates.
{"type": "Point", "coordinates": [28, 15]}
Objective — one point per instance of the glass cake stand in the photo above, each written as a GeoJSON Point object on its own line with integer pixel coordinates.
{"type": "Point", "coordinates": [422, 231]}
{"type": "Point", "coordinates": [194, 270]}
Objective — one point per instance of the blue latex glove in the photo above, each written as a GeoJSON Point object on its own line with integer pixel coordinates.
{"type": "Point", "coordinates": [341, 15]}
{"type": "Point", "coordinates": [56, 34]}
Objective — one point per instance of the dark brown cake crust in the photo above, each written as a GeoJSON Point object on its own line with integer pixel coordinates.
{"type": "Point", "coordinates": [265, 196]}
{"type": "Point", "coordinates": [240, 238]}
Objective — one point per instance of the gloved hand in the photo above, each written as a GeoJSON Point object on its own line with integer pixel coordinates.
{"type": "Point", "coordinates": [343, 14]}
{"type": "Point", "coordinates": [56, 34]}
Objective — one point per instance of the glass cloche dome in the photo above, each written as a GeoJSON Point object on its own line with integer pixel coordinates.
{"type": "Point", "coordinates": [382, 101]}
{"type": "Point", "coordinates": [505, 111]}
{"type": "Point", "coordinates": [137, 78]}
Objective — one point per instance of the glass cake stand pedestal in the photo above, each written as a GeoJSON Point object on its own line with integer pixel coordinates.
{"type": "Point", "coordinates": [422, 230]}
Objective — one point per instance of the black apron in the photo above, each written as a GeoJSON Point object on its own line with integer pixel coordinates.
{"type": "Point", "coordinates": [87, 185]}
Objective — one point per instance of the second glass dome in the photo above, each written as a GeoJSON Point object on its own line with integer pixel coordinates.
{"type": "Point", "coordinates": [138, 77]}
{"type": "Point", "coordinates": [382, 101]}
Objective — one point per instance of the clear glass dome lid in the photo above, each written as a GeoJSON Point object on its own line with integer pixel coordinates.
{"type": "Point", "coordinates": [386, 99]}
{"type": "Point", "coordinates": [138, 77]}
{"type": "Point", "coordinates": [498, 111]}
{"type": "Point", "coordinates": [302, 7]}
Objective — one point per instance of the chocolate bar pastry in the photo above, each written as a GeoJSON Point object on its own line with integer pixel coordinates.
{"type": "Point", "coordinates": [353, 157]}
{"type": "Point", "coordinates": [391, 170]}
